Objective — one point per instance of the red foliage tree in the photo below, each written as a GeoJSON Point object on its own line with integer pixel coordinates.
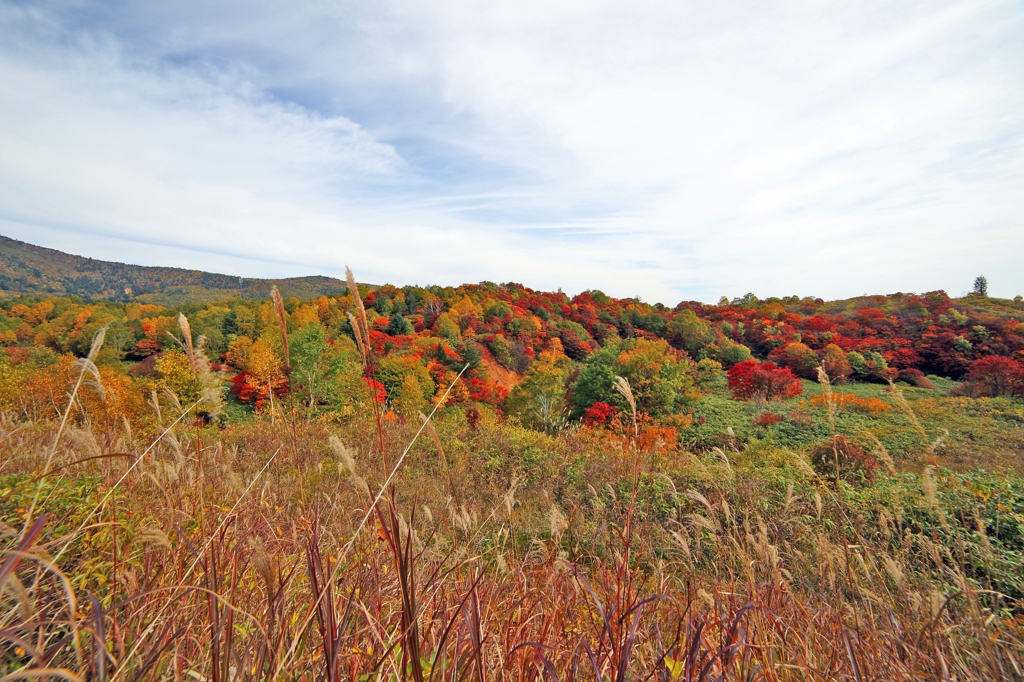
{"type": "Point", "coordinates": [764, 381]}
{"type": "Point", "coordinates": [995, 376]}
{"type": "Point", "coordinates": [574, 348]}
{"type": "Point", "coordinates": [940, 354]}
{"type": "Point", "coordinates": [246, 392]}
{"type": "Point", "coordinates": [485, 391]}
{"type": "Point", "coordinates": [599, 413]}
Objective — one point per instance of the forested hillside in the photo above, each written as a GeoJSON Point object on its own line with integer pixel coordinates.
{"type": "Point", "coordinates": [544, 358]}
{"type": "Point", "coordinates": [35, 270]}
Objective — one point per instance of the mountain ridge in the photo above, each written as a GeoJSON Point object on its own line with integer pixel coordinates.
{"type": "Point", "coordinates": [32, 270]}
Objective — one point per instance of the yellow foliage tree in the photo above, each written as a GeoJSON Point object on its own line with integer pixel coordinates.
{"type": "Point", "coordinates": [539, 399]}
{"type": "Point", "coordinates": [264, 369]}
{"type": "Point", "coordinates": [394, 370]}
{"type": "Point", "coordinates": [446, 328]}
{"type": "Point", "coordinates": [458, 393]}
{"type": "Point", "coordinates": [465, 311]}
{"type": "Point", "coordinates": [44, 391]}
{"type": "Point", "coordinates": [409, 399]}
{"type": "Point", "coordinates": [177, 376]}
{"type": "Point", "coordinates": [305, 315]}
{"type": "Point", "coordinates": [238, 352]}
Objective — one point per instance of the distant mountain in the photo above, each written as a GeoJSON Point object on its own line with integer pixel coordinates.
{"type": "Point", "coordinates": [26, 269]}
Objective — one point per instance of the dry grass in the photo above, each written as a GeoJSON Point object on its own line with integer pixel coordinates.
{"type": "Point", "coordinates": [206, 555]}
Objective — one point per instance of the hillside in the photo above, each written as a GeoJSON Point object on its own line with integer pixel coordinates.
{"type": "Point", "coordinates": [26, 269]}
{"type": "Point", "coordinates": [675, 490]}
{"type": "Point", "coordinates": [30, 270]}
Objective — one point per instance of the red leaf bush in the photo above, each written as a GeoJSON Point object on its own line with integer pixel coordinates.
{"type": "Point", "coordinates": [751, 380]}
{"type": "Point", "coordinates": [994, 376]}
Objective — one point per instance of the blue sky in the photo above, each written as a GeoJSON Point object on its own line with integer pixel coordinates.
{"type": "Point", "coordinates": [671, 150]}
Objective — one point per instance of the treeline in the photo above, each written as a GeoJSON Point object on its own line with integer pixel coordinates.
{"type": "Point", "coordinates": [541, 356]}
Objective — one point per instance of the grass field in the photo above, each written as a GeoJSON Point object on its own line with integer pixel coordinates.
{"type": "Point", "coordinates": [285, 546]}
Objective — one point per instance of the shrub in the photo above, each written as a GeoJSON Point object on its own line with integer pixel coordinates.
{"type": "Point", "coordinates": [855, 465]}
{"type": "Point", "coordinates": [766, 419]}
{"type": "Point", "coordinates": [869, 366]}
{"type": "Point", "coordinates": [915, 377]}
{"type": "Point", "coordinates": [995, 376]}
{"type": "Point", "coordinates": [751, 380]}
{"type": "Point", "coordinates": [146, 368]}
{"type": "Point", "coordinates": [708, 372]}
{"type": "Point", "coordinates": [726, 351]}
{"type": "Point", "coordinates": [797, 357]}
{"type": "Point", "coordinates": [833, 359]}
{"type": "Point", "coordinates": [873, 406]}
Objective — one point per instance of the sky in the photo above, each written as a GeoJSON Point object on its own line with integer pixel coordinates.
{"type": "Point", "coordinates": [673, 151]}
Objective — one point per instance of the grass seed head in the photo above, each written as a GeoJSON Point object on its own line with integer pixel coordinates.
{"type": "Point", "coordinates": [345, 455]}
{"type": "Point", "coordinates": [557, 521]}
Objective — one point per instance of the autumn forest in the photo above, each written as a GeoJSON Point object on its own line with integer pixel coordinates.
{"type": "Point", "coordinates": [347, 481]}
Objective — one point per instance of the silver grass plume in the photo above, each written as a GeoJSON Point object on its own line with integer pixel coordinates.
{"type": "Point", "coordinates": [212, 398]}
{"type": "Point", "coordinates": [87, 365]}
{"type": "Point", "coordinates": [282, 322]}
{"type": "Point", "coordinates": [622, 386]}
{"type": "Point", "coordinates": [186, 336]}
{"type": "Point", "coordinates": [364, 329]}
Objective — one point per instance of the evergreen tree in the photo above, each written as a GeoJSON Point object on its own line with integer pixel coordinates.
{"type": "Point", "coordinates": [229, 327]}
{"type": "Point", "coordinates": [398, 326]}
{"type": "Point", "coordinates": [981, 285]}
{"type": "Point", "coordinates": [471, 354]}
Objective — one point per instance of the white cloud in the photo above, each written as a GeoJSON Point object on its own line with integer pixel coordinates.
{"type": "Point", "coordinates": [671, 150]}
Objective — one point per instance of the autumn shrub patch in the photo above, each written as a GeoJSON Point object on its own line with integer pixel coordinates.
{"type": "Point", "coordinates": [854, 464]}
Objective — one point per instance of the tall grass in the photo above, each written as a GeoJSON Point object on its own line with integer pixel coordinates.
{"type": "Point", "coordinates": [373, 555]}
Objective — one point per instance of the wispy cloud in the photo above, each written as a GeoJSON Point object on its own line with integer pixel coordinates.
{"type": "Point", "coordinates": [670, 150]}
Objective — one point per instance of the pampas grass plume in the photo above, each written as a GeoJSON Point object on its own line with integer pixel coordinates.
{"type": "Point", "coordinates": [282, 322]}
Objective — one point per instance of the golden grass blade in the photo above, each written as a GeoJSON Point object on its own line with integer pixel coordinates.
{"type": "Point", "coordinates": [110, 492]}
{"type": "Point", "coordinates": [42, 672]}
{"type": "Point", "coordinates": [622, 386]}
{"type": "Point", "coordinates": [195, 562]}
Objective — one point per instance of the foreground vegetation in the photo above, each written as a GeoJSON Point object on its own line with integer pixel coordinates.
{"type": "Point", "coordinates": [377, 500]}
